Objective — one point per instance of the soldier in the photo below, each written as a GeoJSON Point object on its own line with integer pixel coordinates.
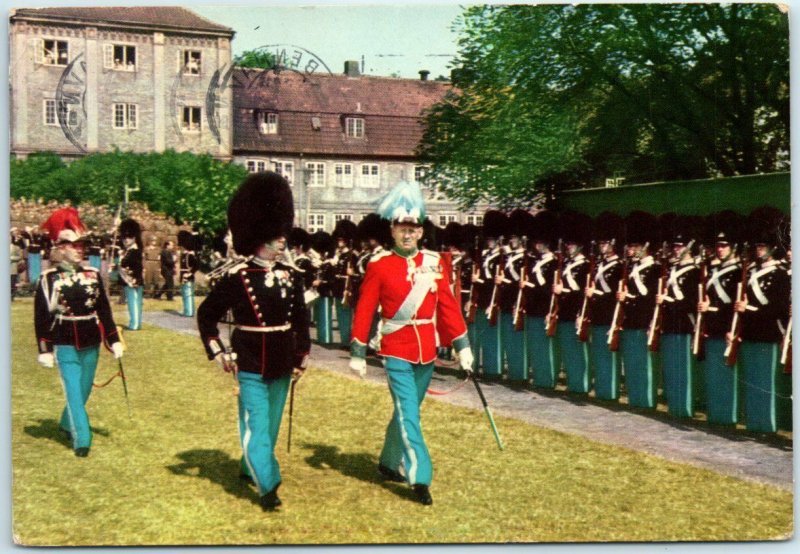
{"type": "Point", "coordinates": [95, 251]}
{"type": "Point", "coordinates": [601, 295]}
{"type": "Point", "coordinates": [16, 259]}
{"type": "Point", "coordinates": [152, 266]}
{"type": "Point", "coordinates": [414, 294]}
{"type": "Point", "coordinates": [72, 317]}
{"type": "Point", "coordinates": [130, 271]}
{"type": "Point", "coordinates": [35, 257]}
{"type": "Point", "coordinates": [270, 342]}
{"type": "Point", "coordinates": [494, 228]}
{"type": "Point", "coordinates": [344, 269]}
{"type": "Point", "coordinates": [166, 262]}
{"type": "Point", "coordinates": [716, 307]}
{"type": "Point", "coordinates": [678, 300]}
{"type": "Point", "coordinates": [513, 341]}
{"type": "Point", "coordinates": [542, 352]}
{"type": "Point", "coordinates": [300, 242]}
{"type": "Point", "coordinates": [374, 233]}
{"type": "Point", "coordinates": [323, 307]}
{"type": "Point", "coordinates": [187, 267]}
{"type": "Point", "coordinates": [575, 231]}
{"type": "Point", "coordinates": [639, 299]}
{"type": "Point", "coordinates": [784, 380]}
{"type": "Point", "coordinates": [764, 310]}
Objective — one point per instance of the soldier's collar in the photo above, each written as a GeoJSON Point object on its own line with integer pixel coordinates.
{"type": "Point", "coordinates": [405, 253]}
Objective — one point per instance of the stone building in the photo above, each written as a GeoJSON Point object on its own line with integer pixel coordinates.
{"type": "Point", "coordinates": [341, 140]}
{"type": "Point", "coordinates": [140, 79]}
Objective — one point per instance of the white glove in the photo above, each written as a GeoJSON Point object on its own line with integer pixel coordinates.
{"type": "Point", "coordinates": [359, 365]}
{"type": "Point", "coordinates": [116, 349]}
{"type": "Point", "coordinates": [46, 359]}
{"type": "Point", "coordinates": [465, 358]}
{"type": "Point", "coordinates": [226, 361]}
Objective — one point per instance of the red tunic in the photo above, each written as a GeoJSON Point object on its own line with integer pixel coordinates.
{"type": "Point", "coordinates": [388, 281]}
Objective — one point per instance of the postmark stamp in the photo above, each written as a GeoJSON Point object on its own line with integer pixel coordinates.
{"type": "Point", "coordinates": [71, 102]}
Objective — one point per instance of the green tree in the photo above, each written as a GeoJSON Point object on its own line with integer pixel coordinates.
{"type": "Point", "coordinates": [560, 96]}
{"type": "Point", "coordinates": [255, 58]}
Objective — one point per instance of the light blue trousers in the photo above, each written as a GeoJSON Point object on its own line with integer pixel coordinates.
{"type": "Point", "coordinates": [760, 365]}
{"type": "Point", "coordinates": [404, 442]}
{"type": "Point", "coordinates": [543, 354]}
{"type": "Point", "coordinates": [344, 317]}
{"type": "Point", "coordinates": [640, 369]}
{"type": "Point", "coordinates": [322, 317]}
{"type": "Point", "coordinates": [490, 340]}
{"type": "Point", "coordinates": [135, 300]}
{"type": "Point", "coordinates": [260, 412]}
{"type": "Point", "coordinates": [678, 366]}
{"type": "Point", "coordinates": [722, 388]}
{"type": "Point", "coordinates": [34, 267]}
{"type": "Point", "coordinates": [77, 369]}
{"type": "Point", "coordinates": [95, 261]}
{"type": "Point", "coordinates": [187, 296]}
{"type": "Point", "coordinates": [575, 355]}
{"type": "Point", "coordinates": [513, 348]}
{"type": "Point", "coordinates": [605, 364]}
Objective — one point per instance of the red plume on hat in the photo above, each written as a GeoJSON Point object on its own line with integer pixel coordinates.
{"type": "Point", "coordinates": [64, 224]}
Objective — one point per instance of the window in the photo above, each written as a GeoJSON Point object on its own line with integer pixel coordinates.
{"type": "Point", "coordinates": [191, 119]}
{"type": "Point", "coordinates": [53, 52]}
{"type": "Point", "coordinates": [316, 222]}
{"type": "Point", "coordinates": [339, 217]}
{"type": "Point", "coordinates": [444, 219]}
{"type": "Point", "coordinates": [125, 116]}
{"type": "Point", "coordinates": [286, 169]}
{"type": "Point", "coordinates": [419, 172]}
{"type": "Point", "coordinates": [119, 57]}
{"type": "Point", "coordinates": [191, 62]}
{"type": "Point", "coordinates": [343, 175]}
{"type": "Point", "coordinates": [475, 220]}
{"type": "Point", "coordinates": [316, 174]}
{"type": "Point", "coordinates": [354, 127]}
{"type": "Point", "coordinates": [268, 123]}
{"type": "Point", "coordinates": [370, 176]}
{"type": "Point", "coordinates": [50, 117]}
{"type": "Point", "coordinates": [256, 166]}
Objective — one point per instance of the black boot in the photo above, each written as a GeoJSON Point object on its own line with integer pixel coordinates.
{"type": "Point", "coordinates": [390, 474]}
{"type": "Point", "coordinates": [82, 452]}
{"type": "Point", "coordinates": [270, 501]}
{"type": "Point", "coordinates": [246, 479]}
{"type": "Point", "coordinates": [423, 494]}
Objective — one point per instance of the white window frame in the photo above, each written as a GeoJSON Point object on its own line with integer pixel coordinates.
{"type": "Point", "coordinates": [198, 123]}
{"type": "Point", "coordinates": [130, 116]}
{"type": "Point", "coordinates": [40, 49]}
{"type": "Point", "coordinates": [372, 179]}
{"type": "Point", "coordinates": [256, 166]}
{"type": "Point", "coordinates": [315, 222]}
{"type": "Point", "coordinates": [186, 62]}
{"type": "Point", "coordinates": [339, 217]}
{"type": "Point", "coordinates": [268, 123]}
{"type": "Point", "coordinates": [444, 219]}
{"type": "Point", "coordinates": [419, 172]}
{"type": "Point", "coordinates": [109, 59]}
{"type": "Point", "coordinates": [475, 219]}
{"type": "Point", "coordinates": [45, 103]}
{"type": "Point", "coordinates": [354, 127]}
{"type": "Point", "coordinates": [343, 175]}
{"type": "Point", "coordinates": [316, 174]}
{"type": "Point", "coordinates": [285, 168]}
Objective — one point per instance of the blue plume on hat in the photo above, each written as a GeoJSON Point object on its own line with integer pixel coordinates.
{"type": "Point", "coordinates": [403, 204]}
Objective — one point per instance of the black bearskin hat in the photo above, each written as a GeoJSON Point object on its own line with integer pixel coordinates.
{"type": "Point", "coordinates": [469, 233]}
{"type": "Point", "coordinates": [185, 239]}
{"type": "Point", "coordinates": [687, 228]}
{"type": "Point", "coordinates": [453, 235]}
{"type": "Point", "coordinates": [667, 224]}
{"type": "Point", "coordinates": [495, 224]}
{"type": "Point", "coordinates": [261, 210]}
{"type": "Point", "coordinates": [373, 226]}
{"type": "Point", "coordinates": [642, 227]}
{"type": "Point", "coordinates": [764, 224]}
{"type": "Point", "coordinates": [726, 227]}
{"type": "Point", "coordinates": [519, 221]}
{"type": "Point", "coordinates": [610, 227]}
{"type": "Point", "coordinates": [299, 237]}
{"type": "Point", "coordinates": [543, 228]}
{"type": "Point", "coordinates": [344, 230]}
{"type": "Point", "coordinates": [323, 243]}
{"type": "Point", "coordinates": [575, 227]}
{"type": "Point", "coordinates": [131, 228]}
{"type": "Point", "coordinates": [431, 235]}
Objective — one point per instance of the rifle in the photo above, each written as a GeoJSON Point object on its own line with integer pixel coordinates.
{"type": "Point", "coordinates": [347, 296]}
{"type": "Point", "coordinates": [584, 320]}
{"type": "Point", "coordinates": [619, 311]}
{"type": "Point", "coordinates": [473, 289]}
{"type": "Point", "coordinates": [519, 309]}
{"type": "Point", "coordinates": [702, 295]}
{"type": "Point", "coordinates": [456, 276]}
{"type": "Point", "coordinates": [493, 311]}
{"type": "Point", "coordinates": [732, 350]}
{"type": "Point", "coordinates": [786, 347]}
{"type": "Point", "coordinates": [109, 253]}
{"type": "Point", "coordinates": [551, 320]}
{"type": "Point", "coordinates": [654, 331]}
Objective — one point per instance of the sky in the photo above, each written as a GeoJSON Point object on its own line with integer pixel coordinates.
{"type": "Point", "coordinates": [390, 39]}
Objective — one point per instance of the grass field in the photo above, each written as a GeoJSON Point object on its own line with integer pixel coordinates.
{"type": "Point", "coordinates": [169, 475]}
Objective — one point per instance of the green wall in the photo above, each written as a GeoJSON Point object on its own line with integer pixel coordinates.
{"type": "Point", "coordinates": [700, 197]}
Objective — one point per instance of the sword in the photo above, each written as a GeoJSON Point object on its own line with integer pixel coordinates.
{"type": "Point", "coordinates": [487, 410]}
{"type": "Point", "coordinates": [291, 412]}
{"type": "Point", "coordinates": [124, 386]}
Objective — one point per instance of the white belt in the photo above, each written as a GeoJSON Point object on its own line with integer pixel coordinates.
{"type": "Point", "coordinates": [402, 323]}
{"type": "Point", "coordinates": [61, 317]}
{"type": "Point", "coordinates": [273, 329]}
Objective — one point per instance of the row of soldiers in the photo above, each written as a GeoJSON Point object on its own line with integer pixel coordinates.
{"type": "Point", "coordinates": [697, 307]}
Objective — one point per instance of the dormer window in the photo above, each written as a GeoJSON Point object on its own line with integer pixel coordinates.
{"type": "Point", "coordinates": [119, 57]}
{"type": "Point", "coordinates": [354, 127]}
{"type": "Point", "coordinates": [268, 123]}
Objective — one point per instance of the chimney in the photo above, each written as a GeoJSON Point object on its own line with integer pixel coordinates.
{"type": "Point", "coordinates": [423, 75]}
{"type": "Point", "coordinates": [351, 68]}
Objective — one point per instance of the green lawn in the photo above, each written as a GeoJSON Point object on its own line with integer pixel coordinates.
{"type": "Point", "coordinates": [169, 475]}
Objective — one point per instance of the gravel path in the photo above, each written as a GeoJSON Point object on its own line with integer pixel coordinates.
{"type": "Point", "coordinates": [762, 458]}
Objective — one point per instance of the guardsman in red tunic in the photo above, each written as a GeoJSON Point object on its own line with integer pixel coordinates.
{"type": "Point", "coordinates": [413, 292]}
{"type": "Point", "coordinates": [270, 342]}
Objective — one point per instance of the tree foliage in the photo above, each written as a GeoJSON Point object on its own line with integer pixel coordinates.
{"type": "Point", "coordinates": [562, 96]}
{"type": "Point", "coordinates": [187, 187]}
{"type": "Point", "coordinates": [261, 59]}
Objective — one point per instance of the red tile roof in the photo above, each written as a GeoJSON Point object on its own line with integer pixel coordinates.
{"type": "Point", "coordinates": [152, 16]}
{"type": "Point", "coordinates": [391, 109]}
